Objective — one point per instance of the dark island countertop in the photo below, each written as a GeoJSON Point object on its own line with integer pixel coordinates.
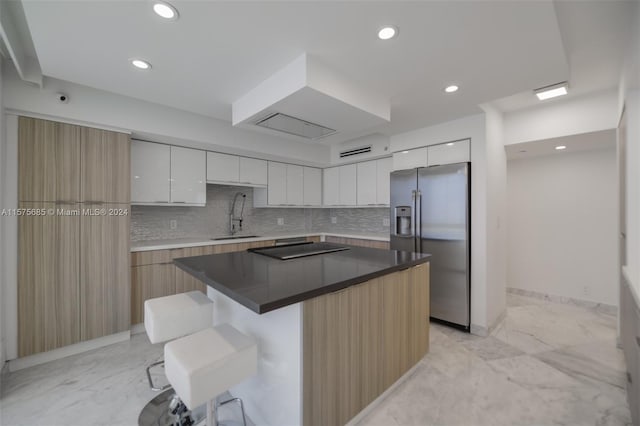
{"type": "Point", "coordinates": [264, 284]}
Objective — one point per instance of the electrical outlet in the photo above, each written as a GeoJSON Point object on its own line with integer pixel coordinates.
{"type": "Point", "coordinates": [280, 221]}
{"type": "Point", "coordinates": [173, 224]}
{"type": "Point", "coordinates": [334, 219]}
{"type": "Point", "coordinates": [385, 221]}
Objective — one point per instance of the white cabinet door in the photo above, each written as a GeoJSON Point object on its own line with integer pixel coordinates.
{"type": "Point", "coordinates": [383, 178]}
{"type": "Point", "coordinates": [295, 185]}
{"type": "Point", "coordinates": [449, 153]}
{"type": "Point", "coordinates": [331, 186]}
{"type": "Point", "coordinates": [222, 167]}
{"type": "Point", "coordinates": [348, 187]}
{"type": "Point", "coordinates": [312, 192]}
{"type": "Point", "coordinates": [188, 176]}
{"type": "Point", "coordinates": [253, 171]}
{"type": "Point", "coordinates": [366, 182]}
{"type": "Point", "coordinates": [277, 187]}
{"type": "Point", "coordinates": [150, 172]}
{"type": "Point", "coordinates": [410, 159]}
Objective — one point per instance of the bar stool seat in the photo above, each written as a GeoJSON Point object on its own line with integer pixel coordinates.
{"type": "Point", "coordinates": [169, 317]}
{"type": "Point", "coordinates": [205, 364]}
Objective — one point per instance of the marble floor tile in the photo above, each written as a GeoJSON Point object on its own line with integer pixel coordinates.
{"type": "Point", "coordinates": [545, 364]}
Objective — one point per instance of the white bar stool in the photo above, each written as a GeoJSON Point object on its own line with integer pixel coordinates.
{"type": "Point", "coordinates": [170, 317]}
{"type": "Point", "coordinates": [205, 364]}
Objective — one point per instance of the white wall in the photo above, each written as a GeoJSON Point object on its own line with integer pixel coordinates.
{"type": "Point", "coordinates": [472, 127]}
{"type": "Point", "coordinates": [559, 117]}
{"type": "Point", "coordinates": [152, 121]}
{"type": "Point", "coordinates": [496, 220]}
{"type": "Point", "coordinates": [562, 216]}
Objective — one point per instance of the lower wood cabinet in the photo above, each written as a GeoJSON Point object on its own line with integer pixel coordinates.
{"type": "Point", "coordinates": [358, 242]}
{"type": "Point", "coordinates": [153, 273]}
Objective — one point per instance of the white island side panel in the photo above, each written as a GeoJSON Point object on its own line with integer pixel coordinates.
{"type": "Point", "coordinates": [274, 395]}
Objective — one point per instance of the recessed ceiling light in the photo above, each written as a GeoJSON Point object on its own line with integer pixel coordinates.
{"type": "Point", "coordinates": [140, 64]}
{"type": "Point", "coordinates": [451, 89]}
{"type": "Point", "coordinates": [552, 91]}
{"type": "Point", "coordinates": [165, 10]}
{"type": "Point", "coordinates": [405, 152]}
{"type": "Point", "coordinates": [387, 32]}
{"type": "Point", "coordinates": [561, 147]}
{"type": "Point", "coordinates": [450, 144]}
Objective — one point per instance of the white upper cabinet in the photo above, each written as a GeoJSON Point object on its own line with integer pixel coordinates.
{"type": "Point", "coordinates": [410, 159]}
{"type": "Point", "coordinates": [367, 183]}
{"type": "Point", "coordinates": [449, 153]}
{"type": "Point", "coordinates": [235, 170]}
{"type": "Point", "coordinates": [383, 179]}
{"type": "Point", "coordinates": [331, 186]}
{"type": "Point", "coordinates": [295, 185]}
{"type": "Point", "coordinates": [373, 182]}
{"type": "Point", "coordinates": [222, 167]}
{"type": "Point", "coordinates": [253, 171]}
{"type": "Point", "coordinates": [312, 192]}
{"type": "Point", "coordinates": [348, 187]}
{"type": "Point", "coordinates": [150, 172]}
{"type": "Point", "coordinates": [188, 176]}
{"type": "Point", "coordinates": [277, 186]}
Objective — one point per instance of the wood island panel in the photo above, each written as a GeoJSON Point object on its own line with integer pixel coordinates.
{"type": "Point", "coordinates": [48, 259]}
{"type": "Point", "coordinates": [359, 341]}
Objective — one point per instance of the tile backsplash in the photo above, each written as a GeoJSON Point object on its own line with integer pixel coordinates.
{"type": "Point", "coordinates": [154, 222]}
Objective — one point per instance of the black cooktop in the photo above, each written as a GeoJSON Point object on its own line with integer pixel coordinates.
{"type": "Point", "coordinates": [294, 251]}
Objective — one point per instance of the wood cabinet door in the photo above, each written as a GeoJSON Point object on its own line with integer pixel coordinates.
{"type": "Point", "coordinates": [105, 166]}
{"type": "Point", "coordinates": [147, 282]}
{"type": "Point", "coordinates": [48, 160]}
{"type": "Point", "coordinates": [105, 290]}
{"type": "Point", "coordinates": [48, 262]}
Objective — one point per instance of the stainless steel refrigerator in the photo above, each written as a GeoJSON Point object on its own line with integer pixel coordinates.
{"type": "Point", "coordinates": [430, 213]}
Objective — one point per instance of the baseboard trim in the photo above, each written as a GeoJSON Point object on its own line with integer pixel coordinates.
{"type": "Point", "coordinates": [603, 307]}
{"type": "Point", "coordinates": [376, 402]}
{"type": "Point", "coordinates": [44, 357]}
{"type": "Point", "coordinates": [138, 329]}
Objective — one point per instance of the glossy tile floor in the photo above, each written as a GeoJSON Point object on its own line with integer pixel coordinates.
{"type": "Point", "coordinates": [546, 364]}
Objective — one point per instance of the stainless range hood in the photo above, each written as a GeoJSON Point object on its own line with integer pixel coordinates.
{"type": "Point", "coordinates": [294, 126]}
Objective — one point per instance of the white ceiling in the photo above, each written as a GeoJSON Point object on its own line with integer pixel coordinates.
{"type": "Point", "coordinates": [218, 51]}
{"type": "Point", "coordinates": [602, 139]}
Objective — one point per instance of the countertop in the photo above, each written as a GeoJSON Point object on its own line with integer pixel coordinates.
{"type": "Point", "coordinates": [264, 284]}
{"type": "Point", "coordinates": [207, 241]}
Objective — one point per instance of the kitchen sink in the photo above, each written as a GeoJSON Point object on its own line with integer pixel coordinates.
{"type": "Point", "coordinates": [235, 237]}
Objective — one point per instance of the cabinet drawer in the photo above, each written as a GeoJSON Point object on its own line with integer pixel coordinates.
{"type": "Point", "coordinates": [150, 257]}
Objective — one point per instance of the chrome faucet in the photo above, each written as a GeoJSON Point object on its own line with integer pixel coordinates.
{"type": "Point", "coordinates": [232, 218]}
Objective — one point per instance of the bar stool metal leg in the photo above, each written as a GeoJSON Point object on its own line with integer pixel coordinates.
{"type": "Point", "coordinates": [151, 385]}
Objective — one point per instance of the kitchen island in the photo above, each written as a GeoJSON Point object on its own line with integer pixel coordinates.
{"type": "Point", "coordinates": [334, 330]}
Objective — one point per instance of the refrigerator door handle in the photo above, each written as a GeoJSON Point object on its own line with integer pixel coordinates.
{"type": "Point", "coordinates": [418, 231]}
{"type": "Point", "coordinates": [414, 226]}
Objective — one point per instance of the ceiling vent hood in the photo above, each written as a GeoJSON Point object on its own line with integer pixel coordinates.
{"type": "Point", "coordinates": [294, 126]}
{"type": "Point", "coordinates": [298, 97]}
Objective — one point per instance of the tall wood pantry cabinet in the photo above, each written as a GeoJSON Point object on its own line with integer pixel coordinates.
{"type": "Point", "coordinates": [73, 253]}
